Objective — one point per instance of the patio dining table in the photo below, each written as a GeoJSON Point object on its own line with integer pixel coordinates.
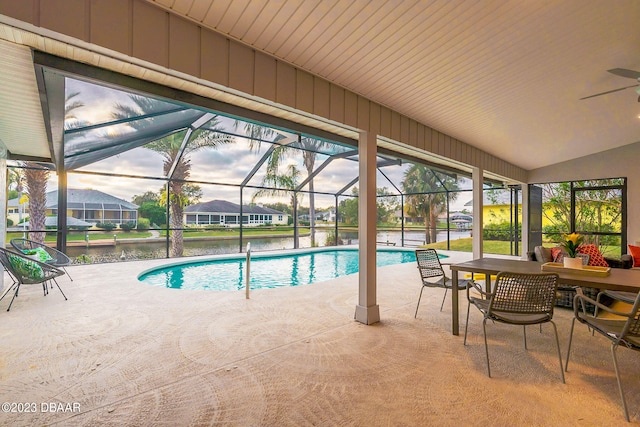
{"type": "Point", "coordinates": [618, 279]}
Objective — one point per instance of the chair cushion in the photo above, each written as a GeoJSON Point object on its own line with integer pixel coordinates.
{"type": "Point", "coordinates": [595, 257]}
{"type": "Point", "coordinates": [503, 316]}
{"type": "Point", "coordinates": [520, 318]}
{"type": "Point", "coordinates": [40, 253]}
{"type": "Point", "coordinates": [26, 268]}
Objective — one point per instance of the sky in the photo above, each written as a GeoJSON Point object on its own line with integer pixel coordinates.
{"type": "Point", "coordinates": [229, 163]}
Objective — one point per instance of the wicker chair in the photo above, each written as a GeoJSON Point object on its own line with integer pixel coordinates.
{"type": "Point", "coordinates": [622, 332]}
{"type": "Point", "coordinates": [430, 268]}
{"type": "Point", "coordinates": [517, 299]}
{"type": "Point", "coordinates": [27, 271]}
{"type": "Point", "coordinates": [58, 259]}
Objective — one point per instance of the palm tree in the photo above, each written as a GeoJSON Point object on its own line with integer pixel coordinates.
{"type": "Point", "coordinates": [426, 197]}
{"type": "Point", "coordinates": [36, 177]}
{"type": "Point", "coordinates": [256, 133]}
{"type": "Point", "coordinates": [70, 119]}
{"type": "Point", "coordinates": [172, 152]}
{"type": "Point", "coordinates": [310, 149]}
{"type": "Point", "coordinates": [279, 185]}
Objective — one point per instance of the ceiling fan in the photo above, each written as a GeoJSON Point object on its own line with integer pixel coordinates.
{"type": "Point", "coordinates": [622, 72]}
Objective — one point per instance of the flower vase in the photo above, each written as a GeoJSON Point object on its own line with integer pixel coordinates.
{"type": "Point", "coordinates": [572, 262]}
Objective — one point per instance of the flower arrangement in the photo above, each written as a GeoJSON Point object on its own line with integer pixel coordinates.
{"type": "Point", "coordinates": [571, 244]}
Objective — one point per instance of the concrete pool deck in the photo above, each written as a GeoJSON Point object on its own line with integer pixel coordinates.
{"type": "Point", "coordinates": [125, 353]}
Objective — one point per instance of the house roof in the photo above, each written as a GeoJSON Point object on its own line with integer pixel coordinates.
{"type": "Point", "coordinates": [223, 206]}
{"type": "Point", "coordinates": [89, 199]}
{"type": "Point", "coordinates": [52, 221]}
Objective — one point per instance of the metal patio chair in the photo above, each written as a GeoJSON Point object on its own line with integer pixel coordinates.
{"type": "Point", "coordinates": [58, 259]}
{"type": "Point", "coordinates": [622, 332]}
{"type": "Point", "coordinates": [27, 271]}
{"type": "Point", "coordinates": [430, 268]}
{"type": "Point", "coordinates": [517, 299]}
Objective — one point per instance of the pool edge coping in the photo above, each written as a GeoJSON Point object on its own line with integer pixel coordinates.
{"type": "Point", "coordinates": [266, 254]}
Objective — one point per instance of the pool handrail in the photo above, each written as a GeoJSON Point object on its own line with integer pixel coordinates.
{"type": "Point", "coordinates": [248, 278]}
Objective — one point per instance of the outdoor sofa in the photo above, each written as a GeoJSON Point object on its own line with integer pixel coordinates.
{"type": "Point", "coordinates": [566, 294]}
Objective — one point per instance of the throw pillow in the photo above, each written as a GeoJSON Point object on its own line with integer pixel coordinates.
{"type": "Point", "coordinates": [542, 254]}
{"type": "Point", "coordinates": [635, 254]}
{"type": "Point", "coordinates": [26, 268]}
{"type": "Point", "coordinates": [41, 254]}
{"type": "Point", "coordinates": [555, 254]}
{"type": "Point", "coordinates": [595, 257]}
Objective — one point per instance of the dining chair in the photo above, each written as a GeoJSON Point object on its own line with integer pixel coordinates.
{"type": "Point", "coordinates": [622, 331]}
{"type": "Point", "coordinates": [626, 297]}
{"type": "Point", "coordinates": [26, 271]}
{"type": "Point", "coordinates": [516, 299]}
{"type": "Point", "coordinates": [433, 275]}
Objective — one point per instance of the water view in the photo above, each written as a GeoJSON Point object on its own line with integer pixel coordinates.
{"type": "Point", "coordinates": [156, 248]}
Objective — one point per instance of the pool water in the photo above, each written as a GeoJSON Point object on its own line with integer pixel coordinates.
{"type": "Point", "coordinates": [268, 271]}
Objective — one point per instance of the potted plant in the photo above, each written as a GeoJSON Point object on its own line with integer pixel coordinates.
{"type": "Point", "coordinates": [571, 245]}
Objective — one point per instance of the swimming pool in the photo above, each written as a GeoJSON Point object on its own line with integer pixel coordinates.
{"type": "Point", "coordinates": [267, 270]}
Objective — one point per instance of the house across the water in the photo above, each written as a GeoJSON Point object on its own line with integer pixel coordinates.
{"type": "Point", "coordinates": [88, 206]}
{"type": "Point", "coordinates": [221, 212]}
{"type": "Point", "coordinates": [94, 207]}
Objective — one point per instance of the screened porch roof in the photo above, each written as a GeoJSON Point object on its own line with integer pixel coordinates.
{"type": "Point", "coordinates": [108, 128]}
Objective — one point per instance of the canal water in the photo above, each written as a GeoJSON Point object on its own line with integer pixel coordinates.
{"type": "Point", "coordinates": [156, 248]}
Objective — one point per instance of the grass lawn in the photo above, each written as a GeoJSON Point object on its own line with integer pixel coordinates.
{"type": "Point", "coordinates": [464, 245]}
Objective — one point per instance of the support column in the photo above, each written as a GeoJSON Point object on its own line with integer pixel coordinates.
{"type": "Point", "coordinates": [524, 236]}
{"type": "Point", "coordinates": [477, 175]}
{"type": "Point", "coordinates": [61, 235]}
{"type": "Point", "coordinates": [296, 230]}
{"type": "Point", "coordinates": [367, 310]}
{"type": "Point", "coordinates": [3, 201]}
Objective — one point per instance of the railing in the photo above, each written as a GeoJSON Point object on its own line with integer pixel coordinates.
{"type": "Point", "coordinates": [417, 242]}
{"type": "Point", "coordinates": [248, 276]}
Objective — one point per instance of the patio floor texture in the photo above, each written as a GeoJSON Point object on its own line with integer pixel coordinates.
{"type": "Point", "coordinates": [120, 352]}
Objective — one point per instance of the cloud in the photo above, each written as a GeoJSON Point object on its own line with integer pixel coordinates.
{"type": "Point", "coordinates": [229, 164]}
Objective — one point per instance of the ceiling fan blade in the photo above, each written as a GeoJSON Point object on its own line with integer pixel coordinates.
{"type": "Point", "coordinates": [609, 91]}
{"type": "Point", "coordinates": [623, 72]}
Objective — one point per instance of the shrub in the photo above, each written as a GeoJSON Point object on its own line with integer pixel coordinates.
{"type": "Point", "coordinates": [108, 226]}
{"type": "Point", "coordinates": [128, 226]}
{"type": "Point", "coordinates": [143, 224]}
{"type": "Point", "coordinates": [83, 259]}
{"type": "Point", "coordinates": [9, 222]}
{"type": "Point", "coordinates": [501, 231]}
{"type": "Point", "coordinates": [330, 240]}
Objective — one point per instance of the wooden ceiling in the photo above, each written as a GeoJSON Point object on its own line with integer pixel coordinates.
{"type": "Point", "coordinates": [504, 76]}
